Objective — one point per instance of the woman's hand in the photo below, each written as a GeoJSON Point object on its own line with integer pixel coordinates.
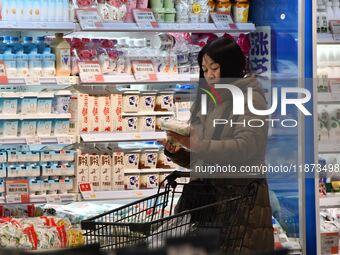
{"type": "Point", "coordinates": [169, 146]}
{"type": "Point", "coordinates": [190, 142]}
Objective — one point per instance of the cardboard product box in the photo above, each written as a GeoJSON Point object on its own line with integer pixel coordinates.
{"type": "Point", "coordinates": [105, 115]}
{"type": "Point", "coordinates": [118, 171]}
{"type": "Point", "coordinates": [94, 114]}
{"type": "Point", "coordinates": [82, 170]}
{"type": "Point", "coordinates": [116, 112]}
{"type": "Point", "coordinates": [105, 172]}
{"type": "Point", "coordinates": [80, 112]}
{"type": "Point", "coordinates": [94, 172]}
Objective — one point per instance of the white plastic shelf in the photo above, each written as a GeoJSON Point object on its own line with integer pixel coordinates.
{"type": "Point", "coordinates": [329, 147]}
{"type": "Point", "coordinates": [328, 97]}
{"type": "Point", "coordinates": [148, 113]}
{"type": "Point", "coordinates": [62, 139]}
{"type": "Point", "coordinates": [50, 198]}
{"type": "Point", "coordinates": [121, 79]}
{"type": "Point", "coordinates": [60, 80]}
{"type": "Point", "coordinates": [122, 136]}
{"type": "Point", "coordinates": [330, 201]}
{"type": "Point", "coordinates": [174, 27]}
{"type": "Point", "coordinates": [37, 26]}
{"type": "Point", "coordinates": [38, 116]}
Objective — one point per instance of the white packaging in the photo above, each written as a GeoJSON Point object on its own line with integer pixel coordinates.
{"type": "Point", "coordinates": [130, 124]}
{"type": "Point", "coordinates": [106, 172]}
{"type": "Point", "coordinates": [94, 115]}
{"type": "Point", "coordinates": [147, 123]}
{"type": "Point", "coordinates": [118, 171]}
{"type": "Point", "coordinates": [147, 101]}
{"type": "Point", "coordinates": [105, 121]}
{"type": "Point", "coordinates": [79, 109]}
{"type": "Point", "coordinates": [159, 120]}
{"type": "Point", "coordinates": [82, 170]}
{"type": "Point", "coordinates": [10, 128]}
{"type": "Point", "coordinates": [131, 101]}
{"type": "Point", "coordinates": [131, 181]}
{"type": "Point", "coordinates": [44, 104]}
{"type": "Point", "coordinates": [148, 158]}
{"type": "Point", "coordinates": [3, 157]}
{"type": "Point", "coordinates": [94, 172]}
{"type": "Point", "coordinates": [29, 103]}
{"type": "Point", "coordinates": [28, 128]}
{"type": "Point", "coordinates": [61, 101]}
{"type": "Point", "coordinates": [165, 101]}
{"type": "Point", "coordinates": [131, 159]}
{"type": "Point", "coordinates": [61, 127]}
{"type": "Point", "coordinates": [164, 162]}
{"type": "Point", "coordinates": [3, 171]}
{"type": "Point", "coordinates": [116, 111]}
{"type": "Point", "coordinates": [10, 102]}
{"type": "Point", "coordinates": [44, 127]}
{"type": "Point", "coordinates": [149, 180]}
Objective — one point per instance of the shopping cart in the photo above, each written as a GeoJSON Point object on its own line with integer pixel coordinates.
{"type": "Point", "coordinates": [151, 221]}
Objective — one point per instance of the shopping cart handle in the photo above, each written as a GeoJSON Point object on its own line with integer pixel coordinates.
{"type": "Point", "coordinates": [176, 174]}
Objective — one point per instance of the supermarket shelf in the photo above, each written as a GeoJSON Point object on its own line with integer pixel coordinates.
{"type": "Point", "coordinates": [171, 27]}
{"type": "Point", "coordinates": [328, 98]}
{"type": "Point", "coordinates": [38, 116]}
{"type": "Point", "coordinates": [329, 147]}
{"type": "Point", "coordinates": [121, 79]}
{"type": "Point", "coordinates": [37, 26]}
{"type": "Point", "coordinates": [327, 38]}
{"type": "Point", "coordinates": [43, 199]}
{"type": "Point", "coordinates": [330, 201]}
{"type": "Point", "coordinates": [63, 139]}
{"type": "Point", "coordinates": [148, 114]}
{"type": "Point", "coordinates": [60, 80]}
{"type": "Point", "coordinates": [121, 136]}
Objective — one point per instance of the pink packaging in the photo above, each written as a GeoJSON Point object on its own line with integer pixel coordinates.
{"type": "Point", "coordinates": [142, 4]}
{"type": "Point", "coordinates": [94, 102]}
{"type": "Point", "coordinates": [116, 111]}
{"type": "Point", "coordinates": [105, 121]}
{"type": "Point", "coordinates": [131, 4]}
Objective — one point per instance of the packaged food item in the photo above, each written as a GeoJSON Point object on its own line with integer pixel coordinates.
{"type": "Point", "coordinates": [117, 10]}
{"type": "Point", "coordinates": [85, 3]}
{"type": "Point", "coordinates": [116, 111]}
{"type": "Point", "coordinates": [132, 181]}
{"type": "Point", "coordinates": [241, 12]}
{"type": "Point", "coordinates": [131, 159]}
{"type": "Point", "coordinates": [94, 171]}
{"type": "Point", "coordinates": [148, 158]}
{"type": "Point", "coordinates": [162, 176]}
{"type": "Point", "coordinates": [118, 171]}
{"type": "Point", "coordinates": [165, 101]}
{"type": "Point", "coordinates": [179, 127]}
{"type": "Point", "coordinates": [147, 123]}
{"type": "Point", "coordinates": [45, 102]}
{"type": "Point", "coordinates": [75, 238]}
{"type": "Point", "coordinates": [142, 4]}
{"type": "Point", "coordinates": [9, 102]}
{"type": "Point", "coordinates": [44, 127]}
{"type": "Point", "coordinates": [130, 124]}
{"type": "Point", "coordinates": [28, 128]}
{"type": "Point", "coordinates": [147, 101]}
{"type": "Point", "coordinates": [105, 116]}
{"type": "Point", "coordinates": [62, 50]}
{"type": "Point", "coordinates": [223, 7]}
{"type": "Point", "coordinates": [164, 162]}
{"type": "Point", "coordinates": [131, 101]}
{"type": "Point", "coordinates": [149, 180]}
{"type": "Point", "coordinates": [28, 104]}
{"type": "Point", "coordinates": [106, 172]}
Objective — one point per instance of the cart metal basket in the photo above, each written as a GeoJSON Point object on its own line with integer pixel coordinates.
{"type": "Point", "coordinates": [153, 220]}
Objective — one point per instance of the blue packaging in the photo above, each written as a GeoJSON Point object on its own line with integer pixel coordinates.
{"type": "Point", "coordinates": [28, 44]}
{"type": "Point", "coordinates": [41, 44]}
{"type": "Point", "coordinates": [15, 45]}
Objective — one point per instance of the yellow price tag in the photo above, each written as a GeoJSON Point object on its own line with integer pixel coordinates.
{"type": "Point", "coordinates": [196, 8]}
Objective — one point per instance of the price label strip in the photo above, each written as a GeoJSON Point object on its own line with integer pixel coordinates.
{"type": "Point", "coordinates": [143, 70]}
{"type": "Point", "coordinates": [145, 18]}
{"type": "Point", "coordinates": [223, 20]}
{"type": "Point", "coordinates": [17, 191]}
{"type": "Point", "coordinates": [90, 72]}
{"type": "Point", "coordinates": [87, 192]}
{"type": "Point", "coordinates": [53, 199]}
{"type": "Point", "coordinates": [3, 74]}
{"type": "Point", "coordinates": [89, 18]}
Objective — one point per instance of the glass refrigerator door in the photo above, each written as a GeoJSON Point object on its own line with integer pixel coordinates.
{"type": "Point", "coordinates": [277, 57]}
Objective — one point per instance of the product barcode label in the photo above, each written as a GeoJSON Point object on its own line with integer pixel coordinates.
{"type": "Point", "coordinates": [145, 18]}
{"type": "Point", "coordinates": [90, 71]}
{"type": "Point", "coordinates": [89, 18]}
{"type": "Point", "coordinates": [17, 191]}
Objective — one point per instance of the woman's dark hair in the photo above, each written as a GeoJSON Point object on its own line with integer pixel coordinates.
{"type": "Point", "coordinates": [227, 54]}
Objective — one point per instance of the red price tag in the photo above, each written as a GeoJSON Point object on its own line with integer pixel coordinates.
{"type": "Point", "coordinates": [86, 191]}
{"type": "Point", "coordinates": [143, 70]}
{"type": "Point", "coordinates": [90, 72]}
{"type": "Point", "coordinates": [17, 191]}
{"type": "Point", "coordinates": [3, 74]}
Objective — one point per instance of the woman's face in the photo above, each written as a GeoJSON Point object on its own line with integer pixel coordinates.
{"type": "Point", "coordinates": [211, 70]}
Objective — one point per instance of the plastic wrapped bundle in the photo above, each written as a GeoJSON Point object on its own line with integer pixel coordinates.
{"type": "Point", "coordinates": [179, 127]}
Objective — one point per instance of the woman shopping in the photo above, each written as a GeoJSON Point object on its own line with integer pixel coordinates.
{"type": "Point", "coordinates": [222, 62]}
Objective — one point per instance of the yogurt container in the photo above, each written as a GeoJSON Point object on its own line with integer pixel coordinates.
{"type": "Point", "coordinates": [147, 123]}
{"type": "Point", "coordinates": [9, 103]}
{"type": "Point", "coordinates": [164, 162]}
{"type": "Point", "coordinates": [131, 159]}
{"type": "Point", "coordinates": [130, 124]}
{"type": "Point", "coordinates": [28, 103]}
{"type": "Point", "coordinates": [45, 102]}
{"type": "Point", "coordinates": [61, 101]}
{"type": "Point", "coordinates": [131, 101]}
{"type": "Point", "coordinates": [149, 180]}
{"type": "Point", "coordinates": [165, 101]}
{"type": "Point", "coordinates": [147, 101]}
{"type": "Point", "coordinates": [148, 158]}
{"type": "Point", "coordinates": [131, 181]}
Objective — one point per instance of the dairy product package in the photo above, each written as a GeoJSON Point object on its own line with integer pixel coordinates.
{"type": "Point", "coordinates": [179, 127]}
{"type": "Point", "coordinates": [118, 171]}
